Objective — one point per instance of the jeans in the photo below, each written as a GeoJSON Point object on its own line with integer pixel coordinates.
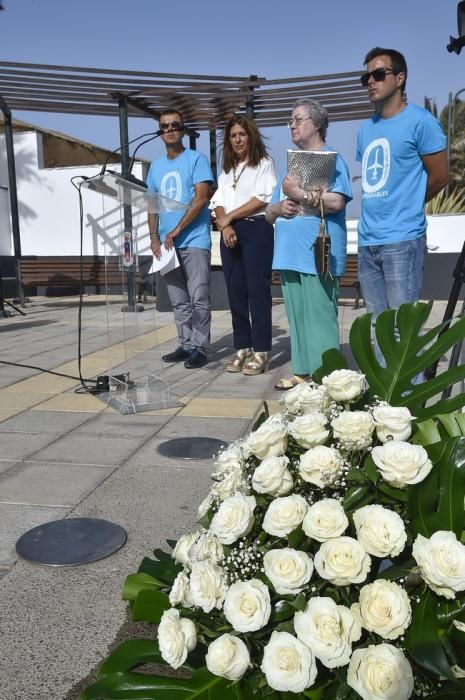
{"type": "Point", "coordinates": [391, 274]}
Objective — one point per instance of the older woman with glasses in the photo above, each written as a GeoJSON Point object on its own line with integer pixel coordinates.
{"type": "Point", "coordinates": [310, 299]}
{"type": "Point", "coordinates": [244, 189]}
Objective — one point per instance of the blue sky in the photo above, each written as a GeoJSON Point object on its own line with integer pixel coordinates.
{"type": "Point", "coordinates": [273, 39]}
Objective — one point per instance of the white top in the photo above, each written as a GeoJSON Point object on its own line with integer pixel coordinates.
{"type": "Point", "coordinates": [258, 182]}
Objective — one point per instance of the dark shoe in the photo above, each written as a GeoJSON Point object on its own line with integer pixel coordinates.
{"type": "Point", "coordinates": [178, 355]}
{"type": "Point", "coordinates": [196, 359]}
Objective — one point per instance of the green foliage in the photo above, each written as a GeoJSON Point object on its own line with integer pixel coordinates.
{"type": "Point", "coordinates": [408, 350]}
{"type": "Point", "coordinates": [443, 203]}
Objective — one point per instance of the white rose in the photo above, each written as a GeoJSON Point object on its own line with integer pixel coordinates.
{"type": "Point", "coordinates": [270, 439]}
{"type": "Point", "coordinates": [324, 520]}
{"type": "Point", "coordinates": [180, 593]}
{"type": "Point", "coordinates": [329, 630]}
{"type": "Point", "coordinates": [380, 672]}
{"type": "Point", "coordinates": [231, 483]}
{"type": "Point", "coordinates": [320, 465]}
{"type": "Point", "coordinates": [288, 664]}
{"type": "Point", "coordinates": [247, 605]}
{"type": "Point", "coordinates": [208, 547]}
{"type": "Point", "coordinates": [228, 656]}
{"type": "Point", "coordinates": [381, 531]}
{"type": "Point", "coordinates": [284, 515]}
{"type": "Point", "coordinates": [342, 561]}
{"type": "Point", "coordinates": [392, 423]}
{"type": "Point", "coordinates": [306, 397]}
{"type": "Point", "coordinates": [230, 459]}
{"type": "Point", "coordinates": [401, 463]}
{"type": "Point", "coordinates": [176, 637]}
{"type": "Point", "coordinates": [181, 551]}
{"type": "Point", "coordinates": [309, 430]}
{"type": "Point", "coordinates": [441, 560]}
{"type": "Point", "coordinates": [344, 384]}
{"type": "Point", "coordinates": [354, 429]}
{"type": "Point", "coordinates": [289, 570]}
{"type": "Point", "coordinates": [384, 608]}
{"type": "Point", "coordinates": [272, 476]}
{"type": "Point", "coordinates": [234, 518]}
{"type": "Point", "coordinates": [207, 585]}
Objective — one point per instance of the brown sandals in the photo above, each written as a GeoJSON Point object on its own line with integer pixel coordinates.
{"type": "Point", "coordinates": [257, 364]}
{"type": "Point", "coordinates": [237, 362]}
{"type": "Point", "coordinates": [291, 382]}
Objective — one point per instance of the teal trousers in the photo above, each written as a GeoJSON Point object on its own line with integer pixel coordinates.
{"type": "Point", "coordinates": [311, 308]}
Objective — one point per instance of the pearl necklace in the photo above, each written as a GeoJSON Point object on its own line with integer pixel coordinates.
{"type": "Point", "coordinates": [236, 178]}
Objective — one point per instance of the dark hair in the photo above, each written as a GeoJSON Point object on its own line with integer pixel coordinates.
{"type": "Point", "coordinates": [398, 62]}
{"type": "Point", "coordinates": [171, 111]}
{"type": "Point", "coordinates": [317, 113]}
{"type": "Point", "coordinates": [257, 149]}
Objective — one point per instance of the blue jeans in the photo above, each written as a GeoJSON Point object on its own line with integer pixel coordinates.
{"type": "Point", "coordinates": [391, 274]}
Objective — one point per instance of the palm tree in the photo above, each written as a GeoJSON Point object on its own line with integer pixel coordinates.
{"type": "Point", "coordinates": [457, 144]}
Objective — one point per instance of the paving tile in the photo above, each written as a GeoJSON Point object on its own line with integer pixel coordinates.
{"type": "Point", "coordinates": [21, 445]}
{"type": "Point", "coordinates": [43, 383]}
{"type": "Point", "coordinates": [11, 399]}
{"type": "Point", "coordinates": [35, 421]}
{"type": "Point", "coordinates": [115, 423]}
{"type": "Point", "coordinates": [7, 464]}
{"type": "Point", "coordinates": [17, 520]}
{"type": "Point", "coordinates": [232, 408]}
{"type": "Point", "coordinates": [90, 449]}
{"type": "Point", "coordinates": [85, 403]}
{"type": "Point", "coordinates": [57, 485]}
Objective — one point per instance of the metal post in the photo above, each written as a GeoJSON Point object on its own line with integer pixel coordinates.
{"type": "Point", "coordinates": [213, 161]}
{"type": "Point", "coordinates": [127, 210]}
{"type": "Point", "coordinates": [249, 100]}
{"type": "Point", "coordinates": [193, 136]}
{"type": "Point", "coordinates": [13, 198]}
{"type": "Point", "coordinates": [451, 125]}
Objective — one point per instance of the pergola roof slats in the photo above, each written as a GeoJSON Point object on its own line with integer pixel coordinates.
{"type": "Point", "coordinates": [206, 101]}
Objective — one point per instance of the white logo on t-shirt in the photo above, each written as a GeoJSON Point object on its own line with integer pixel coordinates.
{"type": "Point", "coordinates": [376, 165]}
{"type": "Point", "coordinates": [171, 186]}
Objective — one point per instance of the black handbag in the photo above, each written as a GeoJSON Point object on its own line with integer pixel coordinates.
{"type": "Point", "coordinates": [322, 247]}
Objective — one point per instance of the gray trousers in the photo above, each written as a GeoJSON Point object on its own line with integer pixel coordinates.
{"type": "Point", "coordinates": [188, 288]}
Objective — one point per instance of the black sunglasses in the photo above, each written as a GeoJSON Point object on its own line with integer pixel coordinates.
{"type": "Point", "coordinates": [378, 75]}
{"type": "Point", "coordinates": [174, 125]}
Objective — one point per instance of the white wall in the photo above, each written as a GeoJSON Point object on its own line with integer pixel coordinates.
{"type": "Point", "coordinates": [445, 233]}
{"type": "Point", "coordinates": [49, 208]}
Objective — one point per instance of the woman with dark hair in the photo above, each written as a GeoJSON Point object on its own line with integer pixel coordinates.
{"type": "Point", "coordinates": [244, 189]}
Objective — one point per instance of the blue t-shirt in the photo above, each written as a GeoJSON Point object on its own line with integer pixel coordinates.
{"type": "Point", "coordinates": [393, 175]}
{"type": "Point", "coordinates": [294, 238]}
{"type": "Point", "coordinates": [176, 178]}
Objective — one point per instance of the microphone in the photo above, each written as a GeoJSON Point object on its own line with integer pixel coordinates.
{"type": "Point", "coordinates": [152, 134]}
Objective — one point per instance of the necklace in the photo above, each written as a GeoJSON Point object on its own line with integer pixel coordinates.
{"type": "Point", "coordinates": [236, 177]}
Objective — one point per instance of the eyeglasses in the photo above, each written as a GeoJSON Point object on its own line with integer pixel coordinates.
{"type": "Point", "coordinates": [297, 121]}
{"type": "Point", "coordinates": [173, 125]}
{"type": "Point", "coordinates": [378, 75]}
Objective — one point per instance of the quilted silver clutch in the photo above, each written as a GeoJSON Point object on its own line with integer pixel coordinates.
{"type": "Point", "coordinates": [314, 169]}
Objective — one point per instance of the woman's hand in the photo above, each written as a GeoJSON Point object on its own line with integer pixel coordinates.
{"type": "Point", "coordinates": [223, 221]}
{"type": "Point", "coordinates": [292, 188]}
{"type": "Point", "coordinates": [229, 237]}
{"type": "Point", "coordinates": [287, 208]}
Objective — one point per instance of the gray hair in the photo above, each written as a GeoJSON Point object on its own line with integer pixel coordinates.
{"type": "Point", "coordinates": [317, 113]}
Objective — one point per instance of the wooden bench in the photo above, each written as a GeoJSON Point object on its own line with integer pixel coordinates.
{"type": "Point", "coordinates": [65, 271]}
{"type": "Point", "coordinates": [349, 280]}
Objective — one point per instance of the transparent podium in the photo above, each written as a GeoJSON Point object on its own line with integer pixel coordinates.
{"type": "Point", "coordinates": [134, 377]}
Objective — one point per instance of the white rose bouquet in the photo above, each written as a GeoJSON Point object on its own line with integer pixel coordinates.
{"type": "Point", "coordinates": [329, 561]}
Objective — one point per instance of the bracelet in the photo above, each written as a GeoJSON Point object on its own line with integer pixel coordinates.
{"type": "Point", "coordinates": [305, 197]}
{"type": "Point", "coordinates": [154, 235]}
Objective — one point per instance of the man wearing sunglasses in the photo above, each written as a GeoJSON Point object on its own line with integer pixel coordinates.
{"type": "Point", "coordinates": [404, 164]}
{"type": "Point", "coordinates": [184, 175]}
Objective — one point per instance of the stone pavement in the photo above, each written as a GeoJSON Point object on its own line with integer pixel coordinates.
{"type": "Point", "coordinates": [67, 454]}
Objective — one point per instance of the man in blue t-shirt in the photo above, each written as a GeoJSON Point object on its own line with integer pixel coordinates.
{"type": "Point", "coordinates": [184, 175]}
{"type": "Point", "coordinates": [404, 164]}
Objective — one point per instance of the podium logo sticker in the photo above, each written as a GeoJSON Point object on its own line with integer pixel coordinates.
{"type": "Point", "coordinates": [171, 186]}
{"type": "Point", "coordinates": [376, 165]}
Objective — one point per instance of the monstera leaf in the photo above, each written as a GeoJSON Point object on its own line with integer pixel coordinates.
{"type": "Point", "coordinates": [409, 349]}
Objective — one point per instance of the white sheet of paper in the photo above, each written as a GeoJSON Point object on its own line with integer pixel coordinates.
{"type": "Point", "coordinates": [168, 261]}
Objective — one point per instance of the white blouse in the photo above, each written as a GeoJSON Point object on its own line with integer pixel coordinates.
{"type": "Point", "coordinates": [259, 182]}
